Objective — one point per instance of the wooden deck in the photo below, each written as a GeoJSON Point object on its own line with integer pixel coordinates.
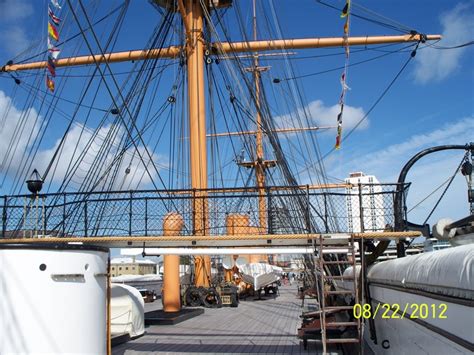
{"type": "Point", "coordinates": [255, 327]}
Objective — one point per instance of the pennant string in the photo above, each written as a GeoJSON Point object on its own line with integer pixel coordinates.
{"type": "Point", "coordinates": [53, 51]}
{"type": "Point", "coordinates": [344, 87]}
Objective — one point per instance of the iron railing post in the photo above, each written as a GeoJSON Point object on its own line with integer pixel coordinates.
{"type": "Point", "coordinates": [326, 226]}
{"type": "Point", "coordinates": [361, 209]}
{"type": "Point", "coordinates": [269, 211]}
{"type": "Point", "coordinates": [85, 219]}
{"type": "Point", "coordinates": [64, 215]}
{"type": "Point", "coordinates": [146, 216]}
{"type": "Point", "coordinates": [130, 214]}
{"type": "Point", "coordinates": [308, 215]}
{"type": "Point", "coordinates": [194, 211]}
{"type": "Point", "coordinates": [44, 216]}
{"type": "Point", "coordinates": [4, 216]}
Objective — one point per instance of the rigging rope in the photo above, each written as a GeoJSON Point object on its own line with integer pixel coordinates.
{"type": "Point", "coordinates": [446, 189]}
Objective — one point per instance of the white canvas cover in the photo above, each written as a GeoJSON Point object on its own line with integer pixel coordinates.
{"type": "Point", "coordinates": [448, 272]}
{"type": "Point", "coordinates": [258, 274]}
{"type": "Point", "coordinates": [127, 311]}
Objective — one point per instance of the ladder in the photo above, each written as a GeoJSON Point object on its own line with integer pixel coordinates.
{"type": "Point", "coordinates": [341, 251]}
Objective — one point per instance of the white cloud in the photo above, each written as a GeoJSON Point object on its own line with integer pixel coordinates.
{"type": "Point", "coordinates": [19, 129]}
{"type": "Point", "coordinates": [428, 173]}
{"type": "Point", "coordinates": [80, 144]}
{"type": "Point", "coordinates": [381, 161]}
{"type": "Point", "coordinates": [14, 10]}
{"type": "Point", "coordinates": [323, 115]}
{"type": "Point", "coordinates": [435, 64]}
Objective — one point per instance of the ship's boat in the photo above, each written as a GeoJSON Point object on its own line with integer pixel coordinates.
{"type": "Point", "coordinates": [259, 275]}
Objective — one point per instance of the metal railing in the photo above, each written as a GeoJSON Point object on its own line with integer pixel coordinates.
{"type": "Point", "coordinates": [296, 210]}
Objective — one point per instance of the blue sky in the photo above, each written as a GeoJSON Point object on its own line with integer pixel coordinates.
{"type": "Point", "coordinates": [430, 104]}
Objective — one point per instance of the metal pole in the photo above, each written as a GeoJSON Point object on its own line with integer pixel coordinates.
{"type": "Point", "coordinates": [361, 210]}
{"type": "Point", "coordinates": [64, 215]}
{"type": "Point", "coordinates": [326, 225]}
{"type": "Point", "coordinates": [24, 216]}
{"type": "Point", "coordinates": [85, 219]}
{"type": "Point", "coordinates": [4, 216]}
{"type": "Point", "coordinates": [36, 216]}
{"type": "Point", "coordinates": [308, 214]}
{"type": "Point", "coordinates": [44, 216]}
{"type": "Point", "coordinates": [146, 216]}
{"type": "Point", "coordinates": [130, 214]}
{"type": "Point", "coordinates": [269, 211]}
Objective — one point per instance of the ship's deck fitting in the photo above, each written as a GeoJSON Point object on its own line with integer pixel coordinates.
{"type": "Point", "coordinates": [255, 327]}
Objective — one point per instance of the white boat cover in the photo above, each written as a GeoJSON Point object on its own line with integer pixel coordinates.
{"type": "Point", "coordinates": [127, 311]}
{"type": "Point", "coordinates": [137, 278]}
{"type": "Point", "coordinates": [448, 272]}
{"type": "Point", "coordinates": [259, 274]}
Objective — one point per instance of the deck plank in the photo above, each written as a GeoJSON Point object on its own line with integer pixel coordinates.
{"type": "Point", "coordinates": [255, 327]}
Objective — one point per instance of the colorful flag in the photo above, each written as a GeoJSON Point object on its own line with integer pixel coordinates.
{"type": "Point", "coordinates": [345, 10]}
{"type": "Point", "coordinates": [55, 3]}
{"type": "Point", "coordinates": [56, 20]}
{"type": "Point", "coordinates": [52, 66]}
{"type": "Point", "coordinates": [53, 32]}
{"type": "Point", "coordinates": [53, 51]}
{"type": "Point", "coordinates": [49, 83]}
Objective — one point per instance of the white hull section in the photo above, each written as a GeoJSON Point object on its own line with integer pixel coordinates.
{"type": "Point", "coordinates": [430, 335]}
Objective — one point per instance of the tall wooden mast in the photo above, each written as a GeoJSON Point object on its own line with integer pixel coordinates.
{"type": "Point", "coordinates": [259, 164]}
{"type": "Point", "coordinates": [197, 129]}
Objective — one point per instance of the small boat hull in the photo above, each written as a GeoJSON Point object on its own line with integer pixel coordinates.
{"type": "Point", "coordinates": [259, 275]}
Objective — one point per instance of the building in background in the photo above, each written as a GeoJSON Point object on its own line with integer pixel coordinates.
{"type": "Point", "coordinates": [132, 266]}
{"type": "Point", "coordinates": [369, 188]}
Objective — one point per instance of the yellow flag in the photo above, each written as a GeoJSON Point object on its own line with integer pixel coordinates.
{"type": "Point", "coordinates": [53, 32]}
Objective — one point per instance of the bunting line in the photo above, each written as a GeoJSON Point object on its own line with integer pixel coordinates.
{"type": "Point", "coordinates": [344, 87]}
{"type": "Point", "coordinates": [52, 39]}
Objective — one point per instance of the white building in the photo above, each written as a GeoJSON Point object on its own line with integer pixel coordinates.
{"type": "Point", "coordinates": [372, 203]}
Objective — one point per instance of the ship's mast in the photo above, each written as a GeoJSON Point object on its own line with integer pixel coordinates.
{"type": "Point", "coordinates": [197, 128]}
{"type": "Point", "coordinates": [259, 165]}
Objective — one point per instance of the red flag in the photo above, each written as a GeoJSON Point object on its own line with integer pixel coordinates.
{"type": "Point", "coordinates": [56, 20]}
{"type": "Point", "coordinates": [52, 66]}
